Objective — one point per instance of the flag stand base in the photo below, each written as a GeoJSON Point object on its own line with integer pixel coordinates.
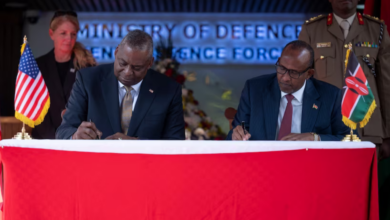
{"type": "Point", "coordinates": [22, 135]}
{"type": "Point", "coordinates": [351, 137]}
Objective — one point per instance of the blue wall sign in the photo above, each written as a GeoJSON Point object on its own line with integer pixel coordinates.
{"type": "Point", "coordinates": [197, 38]}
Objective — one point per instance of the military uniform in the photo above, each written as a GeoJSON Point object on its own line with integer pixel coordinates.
{"type": "Point", "coordinates": [371, 44]}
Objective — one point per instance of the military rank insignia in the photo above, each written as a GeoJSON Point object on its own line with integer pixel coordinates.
{"type": "Point", "coordinates": [330, 19]}
{"type": "Point", "coordinates": [366, 44]}
{"type": "Point", "coordinates": [360, 18]}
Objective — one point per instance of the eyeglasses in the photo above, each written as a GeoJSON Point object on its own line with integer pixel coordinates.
{"type": "Point", "coordinates": [62, 13]}
{"type": "Point", "coordinates": [292, 73]}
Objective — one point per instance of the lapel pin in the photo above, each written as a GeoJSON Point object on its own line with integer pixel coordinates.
{"type": "Point", "coordinates": [72, 70]}
{"type": "Point", "coordinates": [151, 91]}
{"type": "Point", "coordinates": [315, 106]}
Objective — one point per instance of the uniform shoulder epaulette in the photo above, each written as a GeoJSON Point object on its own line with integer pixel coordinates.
{"type": "Point", "coordinates": [317, 18]}
{"type": "Point", "coordinates": [372, 18]}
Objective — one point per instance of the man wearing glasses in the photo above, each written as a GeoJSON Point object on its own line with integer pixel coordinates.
{"type": "Point", "coordinates": [289, 104]}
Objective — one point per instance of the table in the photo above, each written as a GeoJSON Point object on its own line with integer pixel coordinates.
{"type": "Point", "coordinates": [188, 180]}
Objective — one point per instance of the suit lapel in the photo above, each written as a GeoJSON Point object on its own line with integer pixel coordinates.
{"type": "Point", "coordinates": [309, 110]}
{"type": "Point", "coordinates": [271, 108]}
{"type": "Point", "coordinates": [145, 99]}
{"type": "Point", "coordinates": [109, 86]}
{"type": "Point", "coordinates": [355, 30]}
{"type": "Point", "coordinates": [335, 29]}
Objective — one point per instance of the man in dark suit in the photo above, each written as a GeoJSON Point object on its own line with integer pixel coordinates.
{"type": "Point", "coordinates": [126, 99]}
{"type": "Point", "coordinates": [290, 105]}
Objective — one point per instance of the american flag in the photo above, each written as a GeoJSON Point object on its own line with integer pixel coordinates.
{"type": "Point", "coordinates": [31, 95]}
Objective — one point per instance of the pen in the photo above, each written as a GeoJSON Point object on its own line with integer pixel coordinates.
{"type": "Point", "coordinates": [98, 137]}
{"type": "Point", "coordinates": [243, 126]}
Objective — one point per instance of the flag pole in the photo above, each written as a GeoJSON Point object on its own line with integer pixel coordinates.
{"type": "Point", "coordinates": [23, 135]}
{"type": "Point", "coordinates": [349, 137]}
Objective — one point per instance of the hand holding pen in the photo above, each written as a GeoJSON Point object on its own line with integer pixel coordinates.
{"type": "Point", "coordinates": [87, 130]}
{"type": "Point", "coordinates": [240, 133]}
{"type": "Point", "coordinates": [98, 133]}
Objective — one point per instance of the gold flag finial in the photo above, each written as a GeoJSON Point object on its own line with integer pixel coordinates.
{"type": "Point", "coordinates": [24, 44]}
{"type": "Point", "coordinates": [346, 57]}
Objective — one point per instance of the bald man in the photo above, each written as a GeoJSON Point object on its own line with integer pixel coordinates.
{"type": "Point", "coordinates": [125, 100]}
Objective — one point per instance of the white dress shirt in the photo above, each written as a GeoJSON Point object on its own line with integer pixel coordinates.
{"type": "Point", "coordinates": [134, 92]}
{"type": "Point", "coordinates": [297, 110]}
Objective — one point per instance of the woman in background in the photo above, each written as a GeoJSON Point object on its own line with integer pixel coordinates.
{"type": "Point", "coordinates": [59, 67]}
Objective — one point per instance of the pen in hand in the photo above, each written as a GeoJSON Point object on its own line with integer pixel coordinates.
{"type": "Point", "coordinates": [98, 137]}
{"type": "Point", "coordinates": [243, 126]}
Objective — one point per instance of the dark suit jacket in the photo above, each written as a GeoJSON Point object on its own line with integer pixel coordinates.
{"type": "Point", "coordinates": [259, 108]}
{"type": "Point", "coordinates": [157, 114]}
{"type": "Point", "coordinates": [59, 95]}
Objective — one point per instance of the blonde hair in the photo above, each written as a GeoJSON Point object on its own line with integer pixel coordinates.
{"type": "Point", "coordinates": [83, 57]}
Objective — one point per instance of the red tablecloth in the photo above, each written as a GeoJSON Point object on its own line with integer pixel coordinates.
{"type": "Point", "coordinates": [189, 180]}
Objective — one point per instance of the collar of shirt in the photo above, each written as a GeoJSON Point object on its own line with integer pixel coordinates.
{"type": "Point", "coordinates": [349, 20]}
{"type": "Point", "coordinates": [298, 95]}
{"type": "Point", "coordinates": [136, 87]}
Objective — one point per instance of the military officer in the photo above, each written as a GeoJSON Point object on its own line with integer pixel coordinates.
{"type": "Point", "coordinates": [330, 35]}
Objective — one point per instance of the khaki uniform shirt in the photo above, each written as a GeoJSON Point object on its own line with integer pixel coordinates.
{"type": "Point", "coordinates": [330, 47]}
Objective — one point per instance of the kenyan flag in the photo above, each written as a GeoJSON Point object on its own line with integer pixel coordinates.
{"type": "Point", "coordinates": [358, 101]}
